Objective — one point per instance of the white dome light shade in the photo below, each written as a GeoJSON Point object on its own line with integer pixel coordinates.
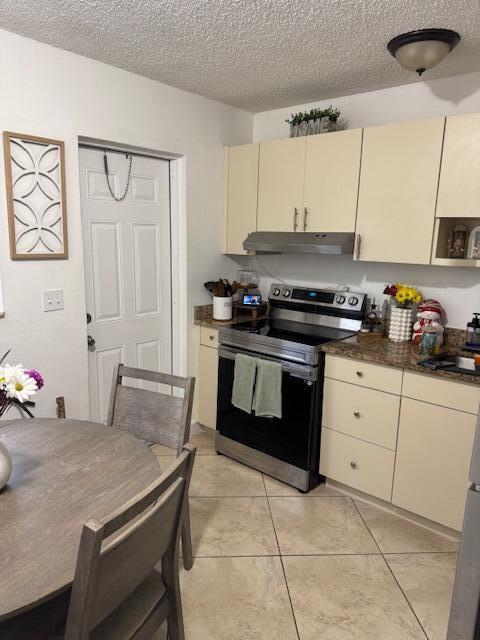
{"type": "Point", "coordinates": [423, 49]}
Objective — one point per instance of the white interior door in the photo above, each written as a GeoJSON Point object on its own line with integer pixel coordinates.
{"type": "Point", "coordinates": [127, 268]}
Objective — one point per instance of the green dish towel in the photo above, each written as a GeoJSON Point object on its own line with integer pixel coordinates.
{"type": "Point", "coordinates": [244, 382]}
{"type": "Point", "coordinates": [267, 400]}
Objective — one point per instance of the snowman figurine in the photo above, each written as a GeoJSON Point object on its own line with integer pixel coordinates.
{"type": "Point", "coordinates": [429, 312]}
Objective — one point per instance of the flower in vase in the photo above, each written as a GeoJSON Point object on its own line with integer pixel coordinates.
{"type": "Point", "coordinates": [21, 386]}
{"type": "Point", "coordinates": [33, 373]}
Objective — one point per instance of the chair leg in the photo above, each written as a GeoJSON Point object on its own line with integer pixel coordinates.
{"type": "Point", "coordinates": [175, 615]}
{"type": "Point", "coordinates": [187, 540]}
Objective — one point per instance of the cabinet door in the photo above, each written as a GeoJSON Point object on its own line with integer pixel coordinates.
{"type": "Point", "coordinates": [433, 460]}
{"type": "Point", "coordinates": [241, 177]}
{"type": "Point", "coordinates": [332, 171]}
{"type": "Point", "coordinates": [280, 184]}
{"type": "Point", "coordinates": [207, 387]}
{"type": "Point", "coordinates": [459, 188]}
{"type": "Point", "coordinates": [398, 189]}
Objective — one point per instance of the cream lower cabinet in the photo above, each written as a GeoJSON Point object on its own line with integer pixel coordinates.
{"type": "Point", "coordinates": [206, 377]}
{"type": "Point", "coordinates": [433, 458]}
{"type": "Point", "coordinates": [398, 190]}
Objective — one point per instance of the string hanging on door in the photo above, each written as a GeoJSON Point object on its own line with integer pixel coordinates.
{"type": "Point", "coordinates": [105, 164]}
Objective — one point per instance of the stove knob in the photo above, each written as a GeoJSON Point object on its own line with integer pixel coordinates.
{"type": "Point", "coordinates": [276, 292]}
{"type": "Point", "coordinates": [286, 293]}
{"type": "Point", "coordinates": [353, 301]}
{"type": "Point", "coordinates": [340, 299]}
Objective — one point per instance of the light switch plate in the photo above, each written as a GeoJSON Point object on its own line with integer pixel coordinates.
{"type": "Point", "coordinates": [52, 299]}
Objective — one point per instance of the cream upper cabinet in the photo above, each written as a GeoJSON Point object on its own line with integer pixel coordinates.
{"type": "Point", "coordinates": [240, 195]}
{"type": "Point", "coordinates": [398, 190]}
{"type": "Point", "coordinates": [332, 171]}
{"type": "Point", "coordinates": [280, 185]}
{"type": "Point", "coordinates": [459, 187]}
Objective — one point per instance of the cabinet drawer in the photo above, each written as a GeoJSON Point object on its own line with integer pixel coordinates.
{"type": "Point", "coordinates": [364, 413]}
{"type": "Point", "coordinates": [454, 395]}
{"type": "Point", "coordinates": [359, 464]}
{"type": "Point", "coordinates": [209, 337]}
{"type": "Point", "coordinates": [364, 374]}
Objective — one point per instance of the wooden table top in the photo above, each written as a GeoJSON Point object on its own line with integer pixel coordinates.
{"type": "Point", "coordinates": [65, 472]}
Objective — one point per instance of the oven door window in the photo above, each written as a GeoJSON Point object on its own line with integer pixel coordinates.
{"type": "Point", "coordinates": [289, 439]}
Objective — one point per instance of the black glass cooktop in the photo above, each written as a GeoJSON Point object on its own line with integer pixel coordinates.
{"type": "Point", "coordinates": [311, 335]}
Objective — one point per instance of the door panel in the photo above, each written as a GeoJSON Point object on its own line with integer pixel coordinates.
{"type": "Point", "coordinates": [433, 459]}
{"type": "Point", "coordinates": [459, 188]}
{"type": "Point", "coordinates": [127, 268]}
{"type": "Point", "coordinates": [398, 189]}
{"type": "Point", "coordinates": [332, 171]}
{"type": "Point", "coordinates": [280, 184]}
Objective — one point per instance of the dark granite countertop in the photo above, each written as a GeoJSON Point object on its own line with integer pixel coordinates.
{"type": "Point", "coordinates": [403, 355]}
{"type": "Point", "coordinates": [203, 316]}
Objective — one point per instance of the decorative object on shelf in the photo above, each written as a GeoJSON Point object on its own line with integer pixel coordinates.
{"type": "Point", "coordinates": [401, 316]}
{"type": "Point", "coordinates": [457, 242]}
{"type": "Point", "coordinates": [422, 49]}
{"type": "Point", "coordinates": [474, 244]}
{"type": "Point", "coordinates": [431, 314]}
{"type": "Point", "coordinates": [313, 121]}
{"type": "Point", "coordinates": [35, 186]}
{"type": "Point", "coordinates": [17, 385]}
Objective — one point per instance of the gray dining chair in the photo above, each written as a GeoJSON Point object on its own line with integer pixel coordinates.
{"type": "Point", "coordinates": [156, 417]}
{"type": "Point", "coordinates": [118, 592]}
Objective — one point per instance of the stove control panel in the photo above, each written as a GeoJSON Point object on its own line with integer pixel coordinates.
{"type": "Point", "coordinates": [348, 301]}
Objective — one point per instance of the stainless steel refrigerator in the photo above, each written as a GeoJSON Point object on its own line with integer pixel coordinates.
{"type": "Point", "coordinates": [464, 621]}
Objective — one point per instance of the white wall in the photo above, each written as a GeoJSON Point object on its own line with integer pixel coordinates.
{"type": "Point", "coordinates": [53, 93]}
{"type": "Point", "coordinates": [457, 289]}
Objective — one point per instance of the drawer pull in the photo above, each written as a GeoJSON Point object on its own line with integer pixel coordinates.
{"type": "Point", "coordinates": [212, 338]}
{"type": "Point", "coordinates": [360, 374]}
{"type": "Point", "coordinates": [353, 464]}
{"type": "Point", "coordinates": [356, 414]}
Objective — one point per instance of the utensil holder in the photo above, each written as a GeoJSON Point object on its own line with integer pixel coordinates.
{"type": "Point", "coordinates": [222, 308]}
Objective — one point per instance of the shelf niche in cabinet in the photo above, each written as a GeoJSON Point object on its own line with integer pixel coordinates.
{"type": "Point", "coordinates": [467, 236]}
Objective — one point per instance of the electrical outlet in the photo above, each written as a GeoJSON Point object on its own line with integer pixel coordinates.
{"type": "Point", "coordinates": [52, 299]}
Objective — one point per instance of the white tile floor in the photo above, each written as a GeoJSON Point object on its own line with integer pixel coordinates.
{"type": "Point", "coordinates": [272, 564]}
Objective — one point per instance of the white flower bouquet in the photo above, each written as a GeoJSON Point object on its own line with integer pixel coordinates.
{"type": "Point", "coordinates": [17, 386]}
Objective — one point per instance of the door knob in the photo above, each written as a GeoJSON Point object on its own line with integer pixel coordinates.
{"type": "Point", "coordinates": [90, 341]}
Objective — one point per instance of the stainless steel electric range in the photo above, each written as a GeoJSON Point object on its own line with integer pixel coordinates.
{"type": "Point", "coordinates": [300, 320]}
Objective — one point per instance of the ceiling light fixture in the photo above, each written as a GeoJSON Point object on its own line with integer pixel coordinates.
{"type": "Point", "coordinates": [423, 49]}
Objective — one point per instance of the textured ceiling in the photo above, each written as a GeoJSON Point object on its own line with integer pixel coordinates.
{"type": "Point", "coordinates": [256, 55]}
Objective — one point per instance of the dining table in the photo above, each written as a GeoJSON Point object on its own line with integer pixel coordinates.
{"type": "Point", "coordinates": [65, 472]}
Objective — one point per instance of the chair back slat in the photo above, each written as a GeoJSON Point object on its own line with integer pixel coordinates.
{"type": "Point", "coordinates": [131, 558]}
{"type": "Point", "coordinates": [117, 553]}
{"type": "Point", "coordinates": [150, 415]}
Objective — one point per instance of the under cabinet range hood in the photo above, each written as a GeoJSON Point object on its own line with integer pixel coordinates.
{"type": "Point", "coordinates": [335, 244]}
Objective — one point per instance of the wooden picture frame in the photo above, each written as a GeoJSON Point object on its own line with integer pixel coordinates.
{"type": "Point", "coordinates": [36, 197]}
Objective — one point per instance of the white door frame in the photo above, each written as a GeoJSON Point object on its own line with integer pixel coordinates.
{"type": "Point", "coordinates": [178, 238]}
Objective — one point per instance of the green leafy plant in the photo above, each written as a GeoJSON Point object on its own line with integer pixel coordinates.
{"type": "Point", "coordinates": [296, 118]}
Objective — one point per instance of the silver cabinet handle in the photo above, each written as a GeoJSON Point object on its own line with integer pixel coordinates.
{"type": "Point", "coordinates": [353, 464]}
{"type": "Point", "coordinates": [359, 374]}
{"type": "Point", "coordinates": [356, 414]}
{"type": "Point", "coordinates": [295, 216]}
{"type": "Point", "coordinates": [358, 239]}
{"type": "Point", "coordinates": [305, 214]}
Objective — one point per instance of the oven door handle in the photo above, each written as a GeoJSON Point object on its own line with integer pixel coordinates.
{"type": "Point", "coordinates": [297, 371]}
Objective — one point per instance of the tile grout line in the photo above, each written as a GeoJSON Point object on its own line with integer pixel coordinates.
{"type": "Point", "coordinates": [391, 572]}
{"type": "Point", "coordinates": [281, 560]}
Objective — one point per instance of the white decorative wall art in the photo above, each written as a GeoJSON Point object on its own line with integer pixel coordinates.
{"type": "Point", "coordinates": [35, 186]}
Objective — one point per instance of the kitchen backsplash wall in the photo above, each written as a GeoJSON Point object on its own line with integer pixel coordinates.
{"type": "Point", "coordinates": [457, 289]}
